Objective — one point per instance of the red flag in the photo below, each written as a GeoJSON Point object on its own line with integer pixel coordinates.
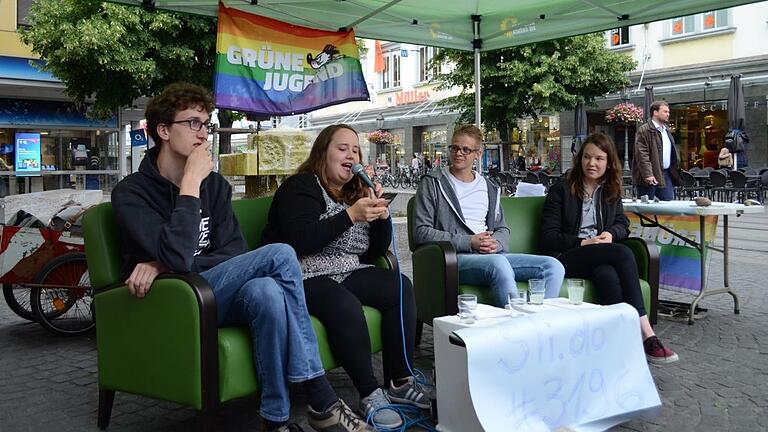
{"type": "Point", "coordinates": [378, 63]}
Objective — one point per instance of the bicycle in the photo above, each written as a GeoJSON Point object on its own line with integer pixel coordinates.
{"type": "Point", "coordinates": [44, 275]}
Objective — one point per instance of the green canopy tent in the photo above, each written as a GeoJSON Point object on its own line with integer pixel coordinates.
{"type": "Point", "coordinates": [472, 25]}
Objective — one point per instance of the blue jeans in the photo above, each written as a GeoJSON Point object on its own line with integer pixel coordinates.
{"type": "Point", "coordinates": [262, 289]}
{"type": "Point", "coordinates": [501, 270]}
{"type": "Point", "coordinates": [667, 193]}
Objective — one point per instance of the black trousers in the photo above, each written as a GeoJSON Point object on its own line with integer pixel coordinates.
{"type": "Point", "coordinates": [612, 269]}
{"type": "Point", "coordinates": [339, 307]}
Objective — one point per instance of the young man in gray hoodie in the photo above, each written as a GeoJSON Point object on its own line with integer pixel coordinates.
{"type": "Point", "coordinates": [459, 205]}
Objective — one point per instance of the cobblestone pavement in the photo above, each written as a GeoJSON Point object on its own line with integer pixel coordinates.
{"type": "Point", "coordinates": [720, 383]}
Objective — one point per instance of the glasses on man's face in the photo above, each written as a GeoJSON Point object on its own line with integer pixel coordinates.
{"type": "Point", "coordinates": [464, 150]}
{"type": "Point", "coordinates": [195, 124]}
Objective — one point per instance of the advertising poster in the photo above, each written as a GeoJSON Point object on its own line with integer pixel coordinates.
{"type": "Point", "coordinates": [680, 265]}
{"type": "Point", "coordinates": [28, 153]}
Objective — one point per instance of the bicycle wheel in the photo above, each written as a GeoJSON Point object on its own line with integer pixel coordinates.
{"type": "Point", "coordinates": [18, 300]}
{"type": "Point", "coordinates": [64, 311]}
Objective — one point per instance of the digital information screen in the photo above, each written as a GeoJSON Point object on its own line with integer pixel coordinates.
{"type": "Point", "coordinates": [28, 154]}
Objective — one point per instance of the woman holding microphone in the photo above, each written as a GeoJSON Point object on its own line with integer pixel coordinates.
{"type": "Point", "coordinates": [335, 222]}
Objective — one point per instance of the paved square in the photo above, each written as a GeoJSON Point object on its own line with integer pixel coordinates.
{"type": "Point", "coordinates": [48, 383]}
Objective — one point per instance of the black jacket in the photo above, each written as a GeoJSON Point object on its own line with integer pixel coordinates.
{"type": "Point", "coordinates": [182, 232]}
{"type": "Point", "coordinates": [294, 218]}
{"type": "Point", "coordinates": [561, 220]}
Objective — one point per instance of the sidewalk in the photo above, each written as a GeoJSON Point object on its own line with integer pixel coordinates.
{"type": "Point", "coordinates": [720, 383]}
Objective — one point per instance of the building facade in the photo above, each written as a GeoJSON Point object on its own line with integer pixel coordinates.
{"type": "Point", "coordinates": [46, 141]}
{"type": "Point", "coordinates": [405, 101]}
{"type": "Point", "coordinates": [689, 62]}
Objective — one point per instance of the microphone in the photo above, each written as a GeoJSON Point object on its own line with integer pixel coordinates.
{"type": "Point", "coordinates": [359, 171]}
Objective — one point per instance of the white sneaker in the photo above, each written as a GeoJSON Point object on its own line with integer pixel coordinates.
{"type": "Point", "coordinates": [375, 408]}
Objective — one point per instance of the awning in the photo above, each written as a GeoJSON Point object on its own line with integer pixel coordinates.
{"type": "Point", "coordinates": [449, 24]}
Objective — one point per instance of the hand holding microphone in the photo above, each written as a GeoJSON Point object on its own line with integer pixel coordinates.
{"type": "Point", "coordinates": [368, 208]}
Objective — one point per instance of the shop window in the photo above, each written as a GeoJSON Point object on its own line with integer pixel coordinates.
{"type": "Point", "coordinates": [428, 70]}
{"type": "Point", "coordinates": [537, 142]}
{"type": "Point", "coordinates": [22, 12]}
{"type": "Point", "coordinates": [699, 130]}
{"type": "Point", "coordinates": [619, 37]}
{"type": "Point", "coordinates": [390, 76]}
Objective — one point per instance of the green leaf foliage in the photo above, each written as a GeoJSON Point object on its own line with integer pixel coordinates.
{"type": "Point", "coordinates": [549, 76]}
{"type": "Point", "coordinates": [115, 54]}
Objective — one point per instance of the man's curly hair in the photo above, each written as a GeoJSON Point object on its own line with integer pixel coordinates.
{"type": "Point", "coordinates": [174, 98]}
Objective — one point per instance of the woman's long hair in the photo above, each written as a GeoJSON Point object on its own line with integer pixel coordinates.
{"type": "Point", "coordinates": [612, 179]}
{"type": "Point", "coordinates": [315, 164]}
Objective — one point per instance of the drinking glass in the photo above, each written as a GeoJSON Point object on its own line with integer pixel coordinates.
{"type": "Point", "coordinates": [536, 290]}
{"type": "Point", "coordinates": [467, 308]}
{"type": "Point", "coordinates": [576, 291]}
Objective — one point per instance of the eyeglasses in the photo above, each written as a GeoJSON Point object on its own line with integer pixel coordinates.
{"type": "Point", "coordinates": [464, 150]}
{"type": "Point", "coordinates": [195, 124]}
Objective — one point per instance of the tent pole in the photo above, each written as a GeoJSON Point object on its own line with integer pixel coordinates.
{"type": "Point", "coordinates": [477, 43]}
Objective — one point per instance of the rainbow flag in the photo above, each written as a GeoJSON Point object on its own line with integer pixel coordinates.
{"type": "Point", "coordinates": [679, 262]}
{"type": "Point", "coordinates": [265, 66]}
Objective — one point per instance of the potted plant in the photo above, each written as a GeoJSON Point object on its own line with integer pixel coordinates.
{"type": "Point", "coordinates": [625, 113]}
{"type": "Point", "coordinates": [381, 137]}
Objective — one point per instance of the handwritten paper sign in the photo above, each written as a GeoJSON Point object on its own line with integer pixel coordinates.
{"type": "Point", "coordinates": [584, 369]}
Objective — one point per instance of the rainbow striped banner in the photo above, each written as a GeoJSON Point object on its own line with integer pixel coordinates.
{"type": "Point", "coordinates": [265, 66]}
{"type": "Point", "coordinates": [679, 265]}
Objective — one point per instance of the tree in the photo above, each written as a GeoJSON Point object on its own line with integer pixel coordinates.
{"type": "Point", "coordinates": [522, 81]}
{"type": "Point", "coordinates": [115, 54]}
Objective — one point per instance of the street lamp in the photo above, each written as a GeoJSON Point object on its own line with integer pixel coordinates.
{"type": "Point", "coordinates": [380, 121]}
{"type": "Point", "coordinates": [625, 98]}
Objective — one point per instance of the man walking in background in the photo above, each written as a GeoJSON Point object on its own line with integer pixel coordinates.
{"type": "Point", "coordinates": [655, 165]}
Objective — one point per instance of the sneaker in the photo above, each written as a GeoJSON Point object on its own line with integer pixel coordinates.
{"type": "Point", "coordinates": [376, 409]}
{"type": "Point", "coordinates": [291, 427]}
{"type": "Point", "coordinates": [656, 352]}
{"type": "Point", "coordinates": [411, 393]}
{"type": "Point", "coordinates": [338, 418]}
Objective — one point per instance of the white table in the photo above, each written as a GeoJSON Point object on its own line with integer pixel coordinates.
{"type": "Point", "coordinates": [567, 366]}
{"type": "Point", "coordinates": [689, 208]}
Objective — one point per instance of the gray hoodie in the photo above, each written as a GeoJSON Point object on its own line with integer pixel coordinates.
{"type": "Point", "coordinates": [438, 217]}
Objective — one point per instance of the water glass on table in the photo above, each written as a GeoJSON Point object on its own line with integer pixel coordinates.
{"type": "Point", "coordinates": [576, 291]}
{"type": "Point", "coordinates": [536, 289]}
{"type": "Point", "coordinates": [467, 308]}
{"type": "Point", "coordinates": [516, 299]}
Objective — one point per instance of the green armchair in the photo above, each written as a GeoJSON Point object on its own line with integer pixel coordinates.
{"type": "Point", "coordinates": [436, 276]}
{"type": "Point", "coordinates": [167, 346]}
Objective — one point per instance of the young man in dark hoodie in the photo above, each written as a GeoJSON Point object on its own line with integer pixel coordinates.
{"type": "Point", "coordinates": [175, 215]}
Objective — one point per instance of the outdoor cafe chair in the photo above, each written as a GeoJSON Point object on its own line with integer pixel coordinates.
{"type": "Point", "coordinates": [719, 190]}
{"type": "Point", "coordinates": [690, 187]}
{"type": "Point", "coordinates": [532, 177]}
{"type": "Point", "coordinates": [742, 187]}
